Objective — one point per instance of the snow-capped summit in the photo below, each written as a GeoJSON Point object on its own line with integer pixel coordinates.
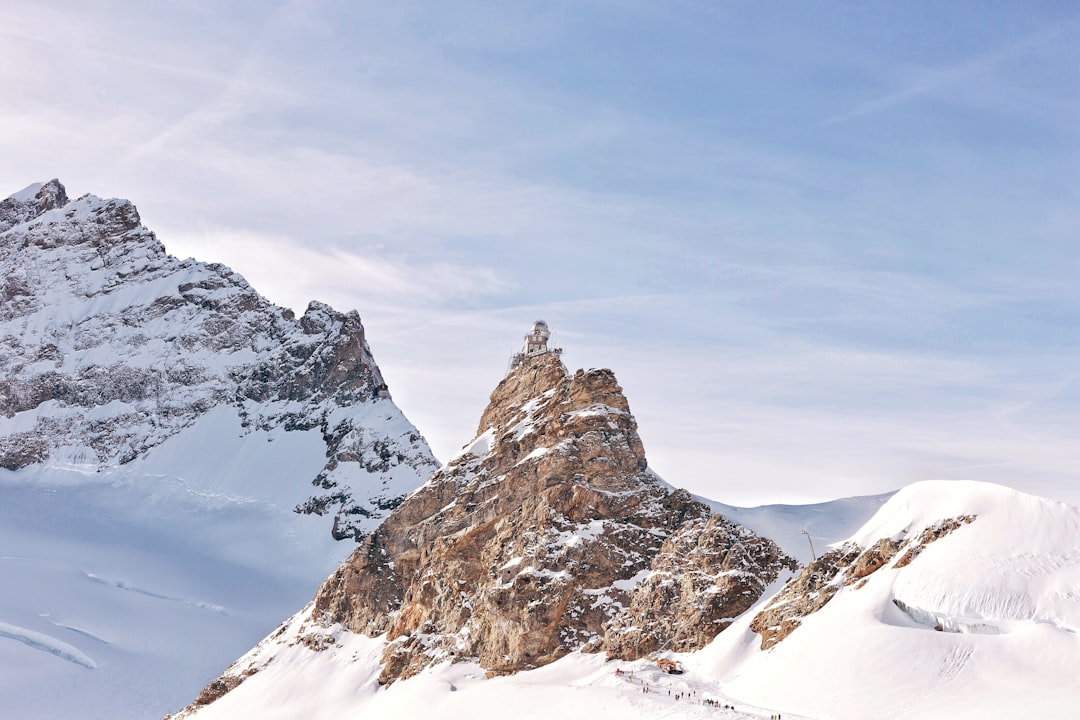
{"type": "Point", "coordinates": [110, 347]}
{"type": "Point", "coordinates": [30, 202]}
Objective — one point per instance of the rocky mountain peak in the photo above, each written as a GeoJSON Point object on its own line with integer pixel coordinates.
{"type": "Point", "coordinates": [31, 202]}
{"type": "Point", "coordinates": [539, 407]}
{"type": "Point", "coordinates": [547, 534]}
{"type": "Point", "coordinates": [51, 195]}
{"type": "Point", "coordinates": [109, 347]}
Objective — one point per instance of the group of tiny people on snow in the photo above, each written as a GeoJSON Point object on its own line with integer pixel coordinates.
{"type": "Point", "coordinates": [646, 689]}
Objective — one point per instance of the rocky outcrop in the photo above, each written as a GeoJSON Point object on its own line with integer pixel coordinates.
{"type": "Point", "coordinates": [931, 534]}
{"type": "Point", "coordinates": [806, 593]}
{"type": "Point", "coordinates": [109, 346]}
{"type": "Point", "coordinates": [547, 534]}
{"type": "Point", "coordinates": [847, 565]}
{"type": "Point", "coordinates": [705, 575]}
{"type": "Point", "coordinates": [31, 202]}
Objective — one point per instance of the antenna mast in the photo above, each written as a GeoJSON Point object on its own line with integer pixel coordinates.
{"type": "Point", "coordinates": [812, 553]}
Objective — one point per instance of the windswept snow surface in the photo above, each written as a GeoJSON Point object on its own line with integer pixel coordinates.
{"type": "Point", "coordinates": [47, 643]}
{"type": "Point", "coordinates": [123, 592]}
{"type": "Point", "coordinates": [1005, 589]}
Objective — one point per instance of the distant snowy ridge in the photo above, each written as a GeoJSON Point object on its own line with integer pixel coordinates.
{"type": "Point", "coordinates": [109, 346]}
{"type": "Point", "coordinates": [805, 530]}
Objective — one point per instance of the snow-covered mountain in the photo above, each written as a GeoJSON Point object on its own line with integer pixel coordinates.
{"type": "Point", "coordinates": [955, 600]}
{"type": "Point", "coordinates": [109, 347]}
{"type": "Point", "coordinates": [177, 456]}
{"type": "Point", "coordinates": [161, 425]}
{"type": "Point", "coordinates": [548, 535]}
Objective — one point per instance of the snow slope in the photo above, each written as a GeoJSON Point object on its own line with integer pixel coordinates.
{"type": "Point", "coordinates": [122, 590]}
{"type": "Point", "coordinates": [159, 577]}
{"type": "Point", "coordinates": [342, 681]}
{"type": "Point", "coordinates": [1004, 590]}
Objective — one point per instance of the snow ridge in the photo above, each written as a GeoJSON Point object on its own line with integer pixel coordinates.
{"type": "Point", "coordinates": [957, 599]}
{"type": "Point", "coordinates": [47, 643]}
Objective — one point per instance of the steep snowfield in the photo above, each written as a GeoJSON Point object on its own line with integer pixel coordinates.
{"type": "Point", "coordinates": [1004, 589]}
{"type": "Point", "coordinates": [122, 590]}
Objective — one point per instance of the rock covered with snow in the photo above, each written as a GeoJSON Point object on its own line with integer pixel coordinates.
{"type": "Point", "coordinates": [849, 564]}
{"type": "Point", "coordinates": [30, 202]}
{"type": "Point", "coordinates": [547, 534]}
{"type": "Point", "coordinates": [109, 347]}
{"type": "Point", "coordinates": [707, 573]}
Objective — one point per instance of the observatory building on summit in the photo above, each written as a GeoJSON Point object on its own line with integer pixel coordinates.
{"type": "Point", "coordinates": [536, 343]}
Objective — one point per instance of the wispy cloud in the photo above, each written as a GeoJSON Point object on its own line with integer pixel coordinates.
{"type": "Point", "coordinates": [298, 273]}
{"type": "Point", "coordinates": [943, 81]}
{"type": "Point", "coordinates": [803, 310]}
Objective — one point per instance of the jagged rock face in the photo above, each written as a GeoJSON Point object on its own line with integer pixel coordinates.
{"type": "Point", "coordinates": [806, 593]}
{"type": "Point", "coordinates": [31, 202]}
{"type": "Point", "coordinates": [847, 565]}
{"type": "Point", "coordinates": [109, 346]}
{"type": "Point", "coordinates": [546, 531]}
{"type": "Point", "coordinates": [706, 574]}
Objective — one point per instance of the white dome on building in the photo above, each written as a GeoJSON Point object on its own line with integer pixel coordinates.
{"type": "Point", "coordinates": [536, 343]}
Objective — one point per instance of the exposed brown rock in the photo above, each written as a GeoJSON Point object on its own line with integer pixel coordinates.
{"type": "Point", "coordinates": [706, 574]}
{"type": "Point", "coordinates": [537, 539]}
{"type": "Point", "coordinates": [929, 535]}
{"type": "Point", "coordinates": [19, 450]}
{"type": "Point", "coordinates": [806, 593]}
{"type": "Point", "coordinates": [547, 534]}
{"type": "Point", "coordinates": [216, 689]}
{"type": "Point", "coordinates": [848, 565]}
{"type": "Point", "coordinates": [872, 560]}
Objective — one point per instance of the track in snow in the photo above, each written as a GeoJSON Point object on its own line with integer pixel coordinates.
{"type": "Point", "coordinates": [121, 585]}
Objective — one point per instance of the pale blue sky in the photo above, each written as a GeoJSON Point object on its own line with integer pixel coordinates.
{"type": "Point", "coordinates": [828, 248]}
